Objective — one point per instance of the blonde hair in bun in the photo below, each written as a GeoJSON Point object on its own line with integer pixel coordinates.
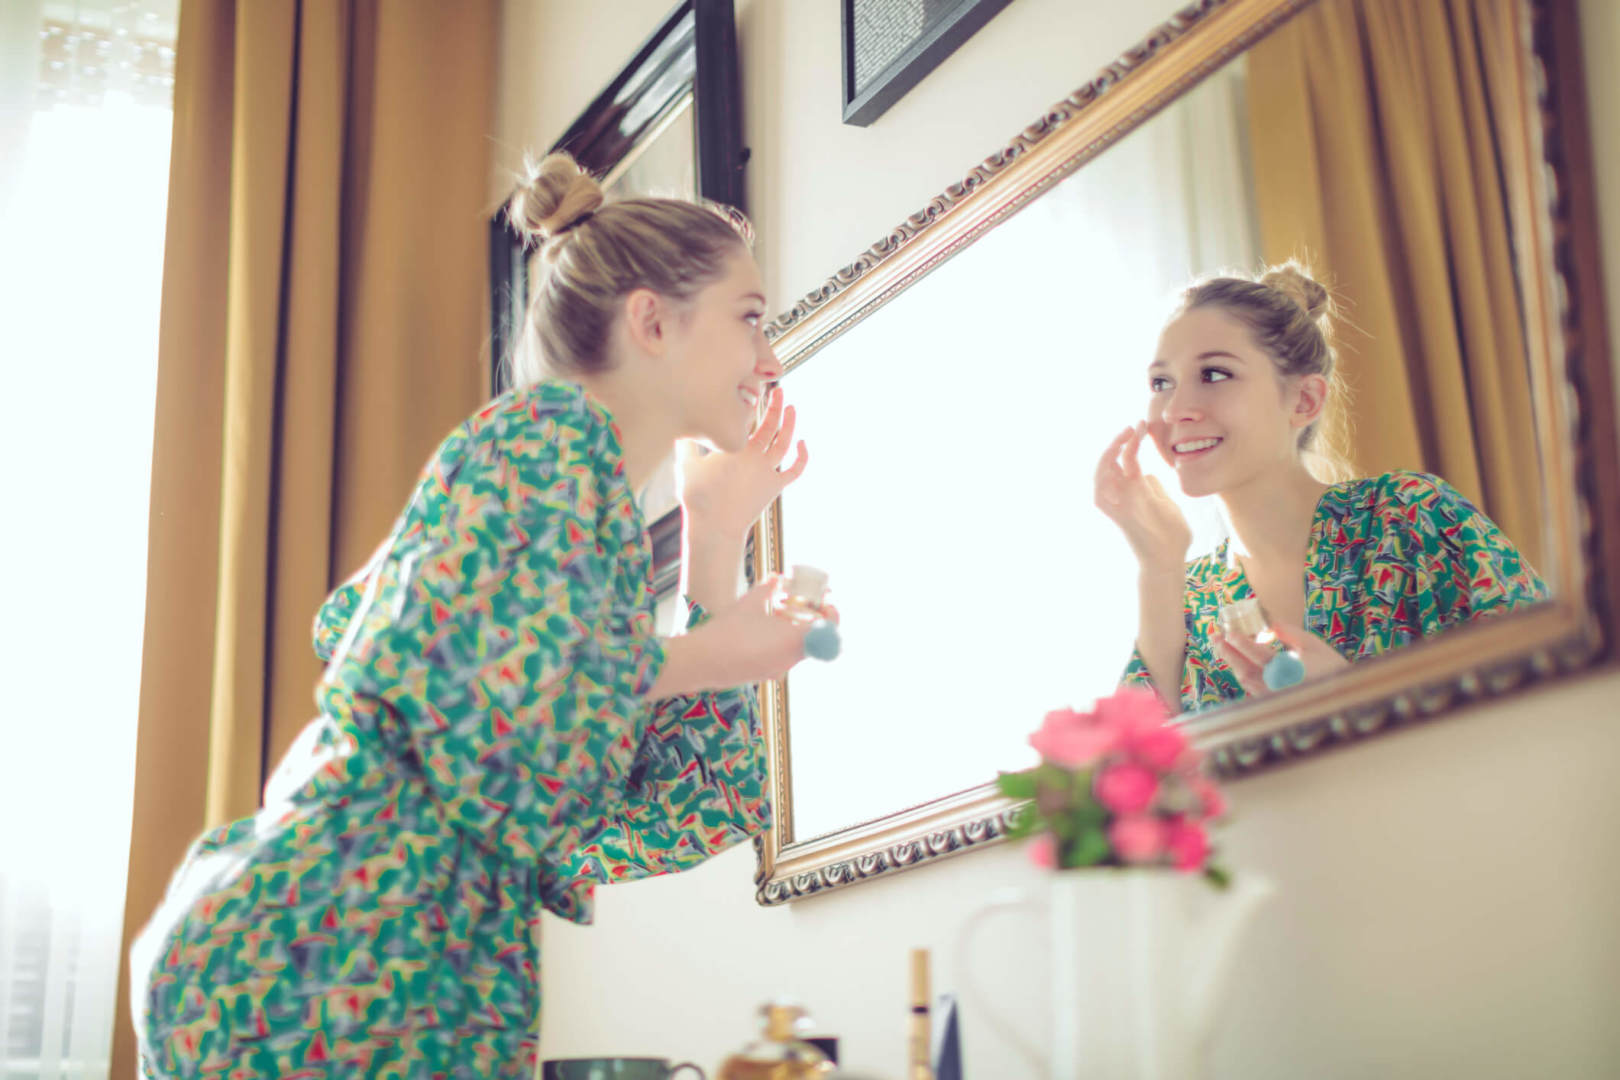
{"type": "Point", "coordinates": [596, 252]}
{"type": "Point", "coordinates": [556, 196]}
{"type": "Point", "coordinates": [1296, 283]}
{"type": "Point", "coordinates": [1291, 315]}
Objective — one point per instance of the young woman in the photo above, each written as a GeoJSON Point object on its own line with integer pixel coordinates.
{"type": "Point", "coordinates": [500, 729]}
{"type": "Point", "coordinates": [1241, 385]}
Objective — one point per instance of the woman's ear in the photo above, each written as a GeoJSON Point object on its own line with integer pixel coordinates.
{"type": "Point", "coordinates": [1310, 399]}
{"type": "Point", "coordinates": [645, 320]}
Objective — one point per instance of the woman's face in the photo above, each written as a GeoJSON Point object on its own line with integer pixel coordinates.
{"type": "Point", "coordinates": [1218, 412]}
{"type": "Point", "coordinates": [722, 360]}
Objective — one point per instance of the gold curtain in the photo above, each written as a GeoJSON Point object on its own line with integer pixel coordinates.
{"type": "Point", "coordinates": [1379, 128]}
{"type": "Point", "coordinates": [322, 329]}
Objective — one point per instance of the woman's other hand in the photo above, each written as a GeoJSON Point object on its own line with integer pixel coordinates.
{"type": "Point", "coordinates": [1248, 659]}
{"type": "Point", "coordinates": [1151, 521]}
{"type": "Point", "coordinates": [743, 642]}
{"type": "Point", "coordinates": [727, 493]}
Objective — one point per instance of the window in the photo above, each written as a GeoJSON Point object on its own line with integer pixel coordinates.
{"type": "Point", "coordinates": [85, 115]}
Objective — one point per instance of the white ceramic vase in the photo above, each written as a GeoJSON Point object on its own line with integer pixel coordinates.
{"type": "Point", "coordinates": [1139, 959]}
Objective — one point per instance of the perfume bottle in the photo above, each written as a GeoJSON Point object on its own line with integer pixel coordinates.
{"type": "Point", "coordinates": [799, 596]}
{"type": "Point", "coordinates": [779, 1053]}
{"type": "Point", "coordinates": [1246, 619]}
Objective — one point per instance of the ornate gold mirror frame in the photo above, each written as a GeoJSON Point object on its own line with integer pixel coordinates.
{"type": "Point", "coordinates": [1564, 316]}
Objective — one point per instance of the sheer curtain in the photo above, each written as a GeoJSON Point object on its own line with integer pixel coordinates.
{"type": "Point", "coordinates": [85, 119]}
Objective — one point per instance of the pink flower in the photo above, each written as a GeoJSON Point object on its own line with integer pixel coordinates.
{"type": "Point", "coordinates": [1188, 845]}
{"type": "Point", "coordinates": [1043, 851]}
{"type": "Point", "coordinates": [1072, 739]}
{"type": "Point", "coordinates": [1160, 747]}
{"type": "Point", "coordinates": [1209, 796]}
{"type": "Point", "coordinates": [1138, 838]}
{"type": "Point", "coordinates": [1131, 708]}
{"type": "Point", "coordinates": [1127, 788]}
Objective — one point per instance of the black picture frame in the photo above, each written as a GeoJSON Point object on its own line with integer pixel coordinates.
{"type": "Point", "coordinates": [958, 20]}
{"type": "Point", "coordinates": [692, 52]}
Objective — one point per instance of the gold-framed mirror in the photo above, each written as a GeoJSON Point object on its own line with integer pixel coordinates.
{"type": "Point", "coordinates": [1148, 176]}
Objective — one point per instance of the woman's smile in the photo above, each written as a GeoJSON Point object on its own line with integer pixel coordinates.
{"type": "Point", "coordinates": [1188, 450]}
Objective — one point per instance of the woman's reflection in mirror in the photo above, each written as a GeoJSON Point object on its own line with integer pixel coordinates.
{"type": "Point", "coordinates": [1245, 404]}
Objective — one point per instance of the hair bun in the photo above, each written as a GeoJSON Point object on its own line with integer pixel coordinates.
{"type": "Point", "coordinates": [556, 195]}
{"type": "Point", "coordinates": [1295, 282]}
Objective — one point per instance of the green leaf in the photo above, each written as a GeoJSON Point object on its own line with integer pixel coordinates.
{"type": "Point", "coordinates": [1080, 785]}
{"type": "Point", "coordinates": [1017, 785]}
{"type": "Point", "coordinates": [1088, 849]}
{"type": "Point", "coordinates": [1089, 813]}
{"type": "Point", "coordinates": [1218, 876]}
{"type": "Point", "coordinates": [1052, 776]}
{"type": "Point", "coordinates": [1023, 824]}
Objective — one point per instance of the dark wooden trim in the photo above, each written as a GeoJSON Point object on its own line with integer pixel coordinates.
{"type": "Point", "coordinates": [508, 285]}
{"type": "Point", "coordinates": [718, 103]}
{"type": "Point", "coordinates": [909, 68]}
{"type": "Point", "coordinates": [1579, 259]}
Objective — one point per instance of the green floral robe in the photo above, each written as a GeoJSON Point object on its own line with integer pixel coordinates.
{"type": "Point", "coordinates": [484, 751]}
{"type": "Point", "coordinates": [1392, 559]}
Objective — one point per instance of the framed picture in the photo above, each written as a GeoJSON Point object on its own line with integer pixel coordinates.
{"type": "Point", "coordinates": [889, 45]}
{"type": "Point", "coordinates": [668, 124]}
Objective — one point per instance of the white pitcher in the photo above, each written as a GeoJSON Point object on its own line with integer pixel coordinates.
{"type": "Point", "coordinates": [1136, 976]}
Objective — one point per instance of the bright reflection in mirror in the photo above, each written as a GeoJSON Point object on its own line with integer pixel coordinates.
{"type": "Point", "coordinates": [955, 433]}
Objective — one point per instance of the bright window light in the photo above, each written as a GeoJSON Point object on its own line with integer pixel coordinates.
{"type": "Point", "coordinates": [84, 165]}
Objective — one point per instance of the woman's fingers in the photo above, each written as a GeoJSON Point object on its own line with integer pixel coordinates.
{"type": "Point", "coordinates": [1296, 637]}
{"type": "Point", "coordinates": [1317, 654]}
{"type": "Point", "coordinates": [1130, 464]}
{"type": "Point", "coordinates": [1256, 654]}
{"type": "Point", "coordinates": [783, 438]}
{"type": "Point", "coordinates": [794, 471]}
{"type": "Point", "coordinates": [765, 430]}
{"type": "Point", "coordinates": [760, 595]}
{"type": "Point", "coordinates": [1248, 672]}
{"type": "Point", "coordinates": [1108, 471]}
{"type": "Point", "coordinates": [1110, 456]}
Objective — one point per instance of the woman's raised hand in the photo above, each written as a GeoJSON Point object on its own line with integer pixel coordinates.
{"type": "Point", "coordinates": [727, 492]}
{"type": "Point", "coordinates": [1152, 522]}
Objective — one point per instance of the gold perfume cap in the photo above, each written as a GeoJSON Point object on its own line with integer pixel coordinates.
{"type": "Point", "coordinates": [807, 583]}
{"type": "Point", "coordinates": [1242, 619]}
{"type": "Point", "coordinates": [782, 1020]}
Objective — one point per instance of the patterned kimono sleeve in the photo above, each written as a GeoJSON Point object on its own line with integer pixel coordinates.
{"type": "Point", "coordinates": [1136, 672]}
{"type": "Point", "coordinates": [332, 620]}
{"type": "Point", "coordinates": [698, 785]}
{"type": "Point", "coordinates": [1462, 567]}
{"type": "Point", "coordinates": [489, 649]}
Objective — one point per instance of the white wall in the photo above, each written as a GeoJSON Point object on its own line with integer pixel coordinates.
{"type": "Point", "coordinates": [1448, 896]}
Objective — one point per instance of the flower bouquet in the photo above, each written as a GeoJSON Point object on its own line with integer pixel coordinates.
{"type": "Point", "coordinates": [1117, 786]}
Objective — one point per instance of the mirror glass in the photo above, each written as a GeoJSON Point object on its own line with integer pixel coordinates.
{"type": "Point", "coordinates": [956, 431]}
